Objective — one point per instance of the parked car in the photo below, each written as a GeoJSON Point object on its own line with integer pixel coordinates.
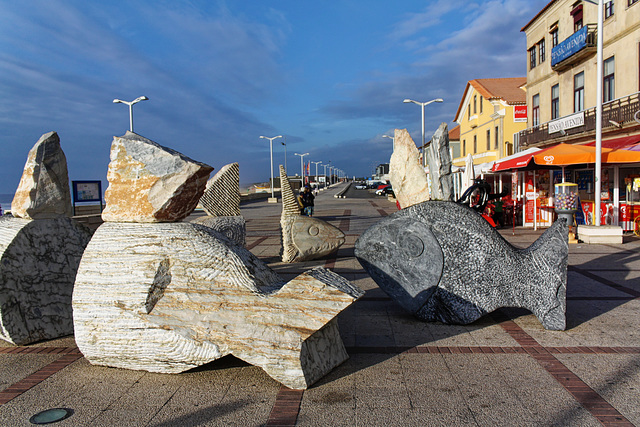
{"type": "Point", "coordinates": [381, 189]}
{"type": "Point", "coordinates": [388, 191]}
{"type": "Point", "coordinates": [361, 186]}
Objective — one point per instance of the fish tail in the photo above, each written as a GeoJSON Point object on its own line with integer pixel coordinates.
{"type": "Point", "coordinates": [549, 259]}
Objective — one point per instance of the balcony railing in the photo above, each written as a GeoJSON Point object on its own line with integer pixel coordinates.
{"type": "Point", "coordinates": [620, 110]}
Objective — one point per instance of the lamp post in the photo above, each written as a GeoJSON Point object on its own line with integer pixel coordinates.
{"type": "Point", "coordinates": [325, 174]}
{"type": "Point", "coordinates": [302, 165]}
{"type": "Point", "coordinates": [316, 169]}
{"type": "Point", "coordinates": [285, 152]}
{"type": "Point", "coordinates": [273, 198]}
{"type": "Point", "coordinates": [130, 104]}
{"type": "Point", "coordinates": [423, 104]}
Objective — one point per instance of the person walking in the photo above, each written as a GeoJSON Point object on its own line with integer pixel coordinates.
{"type": "Point", "coordinates": [306, 200]}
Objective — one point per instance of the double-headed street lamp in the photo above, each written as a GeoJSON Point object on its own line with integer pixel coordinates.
{"type": "Point", "coordinates": [316, 169]}
{"type": "Point", "coordinates": [423, 104]}
{"type": "Point", "coordinates": [271, 163]}
{"type": "Point", "coordinates": [130, 104]}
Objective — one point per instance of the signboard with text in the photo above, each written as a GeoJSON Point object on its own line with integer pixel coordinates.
{"type": "Point", "coordinates": [572, 45]}
{"type": "Point", "coordinates": [520, 113]}
{"type": "Point", "coordinates": [567, 122]}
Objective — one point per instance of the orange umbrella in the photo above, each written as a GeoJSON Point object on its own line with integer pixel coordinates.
{"type": "Point", "coordinates": [571, 154]}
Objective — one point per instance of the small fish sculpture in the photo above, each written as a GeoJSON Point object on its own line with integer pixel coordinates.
{"type": "Point", "coordinates": [304, 238]}
{"type": "Point", "coordinates": [442, 261]}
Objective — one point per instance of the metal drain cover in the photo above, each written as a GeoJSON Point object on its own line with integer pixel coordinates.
{"type": "Point", "coordinates": [51, 416]}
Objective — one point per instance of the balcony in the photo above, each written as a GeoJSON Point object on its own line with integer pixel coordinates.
{"type": "Point", "coordinates": [575, 48]}
{"type": "Point", "coordinates": [620, 110]}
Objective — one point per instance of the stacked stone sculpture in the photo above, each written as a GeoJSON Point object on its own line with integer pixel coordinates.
{"type": "Point", "coordinates": [171, 296]}
{"type": "Point", "coordinates": [442, 261]}
{"type": "Point", "coordinates": [304, 238]}
{"type": "Point", "coordinates": [408, 178]}
{"type": "Point", "coordinates": [221, 202]}
{"type": "Point", "coordinates": [40, 250]}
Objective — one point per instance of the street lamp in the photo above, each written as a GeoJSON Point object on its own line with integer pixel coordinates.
{"type": "Point", "coordinates": [325, 174]}
{"type": "Point", "coordinates": [423, 104]}
{"type": "Point", "coordinates": [130, 104]}
{"type": "Point", "coordinates": [316, 170]}
{"type": "Point", "coordinates": [271, 163]}
{"type": "Point", "coordinates": [302, 165]}
{"type": "Point", "coordinates": [285, 152]}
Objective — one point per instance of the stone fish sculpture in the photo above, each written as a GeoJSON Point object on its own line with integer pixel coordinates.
{"type": "Point", "coordinates": [40, 250]}
{"type": "Point", "coordinates": [168, 297]}
{"type": "Point", "coordinates": [221, 202]}
{"type": "Point", "coordinates": [442, 262]}
{"type": "Point", "coordinates": [304, 238]}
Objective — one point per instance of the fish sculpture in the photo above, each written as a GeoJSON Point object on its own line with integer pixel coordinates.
{"type": "Point", "coordinates": [304, 238]}
{"type": "Point", "coordinates": [221, 202]}
{"type": "Point", "coordinates": [442, 261]}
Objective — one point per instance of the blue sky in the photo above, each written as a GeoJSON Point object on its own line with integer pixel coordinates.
{"type": "Point", "coordinates": [330, 76]}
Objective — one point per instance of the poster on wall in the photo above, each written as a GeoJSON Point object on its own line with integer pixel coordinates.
{"type": "Point", "coordinates": [530, 195]}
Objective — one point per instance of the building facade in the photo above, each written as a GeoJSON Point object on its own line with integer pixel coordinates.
{"type": "Point", "coordinates": [562, 72]}
{"type": "Point", "coordinates": [491, 111]}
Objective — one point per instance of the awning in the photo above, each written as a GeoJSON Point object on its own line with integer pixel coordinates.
{"type": "Point", "coordinates": [515, 161]}
{"type": "Point", "coordinates": [626, 143]}
{"type": "Point", "coordinates": [572, 154]}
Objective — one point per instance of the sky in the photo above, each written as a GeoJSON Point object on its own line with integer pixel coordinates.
{"type": "Point", "coordinates": [329, 76]}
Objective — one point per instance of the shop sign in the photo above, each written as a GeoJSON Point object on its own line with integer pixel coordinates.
{"type": "Point", "coordinates": [520, 113]}
{"type": "Point", "coordinates": [567, 122]}
{"type": "Point", "coordinates": [570, 46]}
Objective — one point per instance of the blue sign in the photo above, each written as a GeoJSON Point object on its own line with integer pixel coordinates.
{"type": "Point", "coordinates": [570, 46]}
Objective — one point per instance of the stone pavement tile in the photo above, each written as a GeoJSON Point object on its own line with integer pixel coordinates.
{"type": "Point", "coordinates": [321, 415]}
{"type": "Point", "coordinates": [22, 365]}
{"type": "Point", "coordinates": [382, 397]}
{"type": "Point", "coordinates": [525, 379]}
{"type": "Point", "coordinates": [377, 370]}
{"type": "Point", "coordinates": [598, 323]}
{"type": "Point", "coordinates": [444, 417]}
{"type": "Point", "coordinates": [615, 377]}
{"type": "Point", "coordinates": [426, 372]}
{"type": "Point", "coordinates": [410, 332]}
{"type": "Point", "coordinates": [579, 285]}
{"type": "Point", "coordinates": [385, 416]}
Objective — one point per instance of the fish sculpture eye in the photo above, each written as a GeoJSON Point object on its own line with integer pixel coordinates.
{"type": "Point", "coordinates": [411, 245]}
{"type": "Point", "coordinates": [313, 230]}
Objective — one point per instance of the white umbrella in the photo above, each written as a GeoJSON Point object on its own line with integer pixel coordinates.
{"type": "Point", "coordinates": [469, 173]}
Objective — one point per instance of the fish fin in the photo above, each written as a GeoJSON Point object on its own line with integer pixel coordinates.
{"type": "Point", "coordinates": [551, 255]}
{"type": "Point", "coordinates": [222, 194]}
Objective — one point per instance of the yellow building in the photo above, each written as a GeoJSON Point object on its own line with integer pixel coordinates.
{"type": "Point", "coordinates": [490, 113]}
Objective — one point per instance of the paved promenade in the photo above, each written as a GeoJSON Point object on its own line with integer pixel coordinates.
{"type": "Point", "coordinates": [503, 370]}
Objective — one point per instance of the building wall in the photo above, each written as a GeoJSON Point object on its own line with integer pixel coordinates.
{"type": "Point", "coordinates": [621, 39]}
{"type": "Point", "coordinates": [495, 113]}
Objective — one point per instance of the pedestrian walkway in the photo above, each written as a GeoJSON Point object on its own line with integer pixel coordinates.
{"type": "Point", "coordinates": [504, 369]}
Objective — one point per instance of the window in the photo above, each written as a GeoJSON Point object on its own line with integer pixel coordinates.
{"type": "Point", "coordinates": [535, 118]}
{"type": "Point", "coordinates": [488, 139]}
{"type": "Point", "coordinates": [554, 37]}
{"type": "Point", "coordinates": [495, 133]}
{"type": "Point", "coordinates": [555, 102]}
{"type": "Point", "coordinates": [608, 9]}
{"type": "Point", "coordinates": [608, 81]}
{"type": "Point", "coordinates": [475, 104]}
{"type": "Point", "coordinates": [532, 58]}
{"type": "Point", "coordinates": [541, 51]}
{"type": "Point", "coordinates": [464, 147]}
{"type": "Point", "coordinates": [632, 2]}
{"type": "Point", "coordinates": [577, 18]}
{"type": "Point", "coordinates": [480, 104]}
{"type": "Point", "coordinates": [475, 144]}
{"type": "Point", "coordinates": [469, 111]}
{"type": "Point", "coordinates": [578, 92]}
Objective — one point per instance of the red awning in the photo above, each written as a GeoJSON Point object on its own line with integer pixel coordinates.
{"type": "Point", "coordinates": [625, 143]}
{"type": "Point", "coordinates": [516, 161]}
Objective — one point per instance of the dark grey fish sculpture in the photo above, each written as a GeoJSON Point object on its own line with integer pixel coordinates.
{"type": "Point", "coordinates": [443, 262]}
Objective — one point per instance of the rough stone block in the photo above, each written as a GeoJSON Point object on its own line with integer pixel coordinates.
{"type": "Point", "coordinates": [151, 183]}
{"type": "Point", "coordinates": [407, 176]}
{"type": "Point", "coordinates": [43, 191]}
{"type": "Point", "coordinates": [38, 264]}
{"type": "Point", "coordinates": [442, 261]}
